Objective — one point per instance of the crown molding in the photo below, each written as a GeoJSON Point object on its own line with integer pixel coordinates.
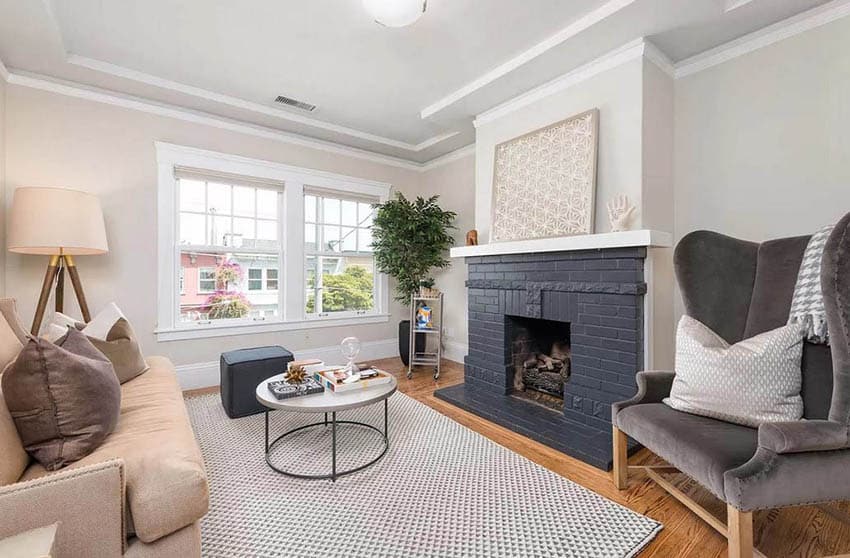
{"type": "Point", "coordinates": [630, 51]}
{"type": "Point", "coordinates": [71, 89]}
{"type": "Point", "coordinates": [787, 28]}
{"type": "Point", "coordinates": [568, 32]}
{"type": "Point", "coordinates": [657, 57]}
{"type": "Point", "coordinates": [449, 157]}
{"type": "Point", "coordinates": [242, 104]}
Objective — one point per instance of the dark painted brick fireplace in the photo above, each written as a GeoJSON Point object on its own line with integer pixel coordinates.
{"type": "Point", "coordinates": [600, 293]}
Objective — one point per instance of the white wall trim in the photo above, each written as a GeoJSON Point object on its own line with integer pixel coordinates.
{"type": "Point", "coordinates": [568, 32]}
{"type": "Point", "coordinates": [450, 157]}
{"type": "Point", "coordinates": [630, 51]}
{"type": "Point", "coordinates": [207, 374]}
{"type": "Point", "coordinates": [235, 102]}
{"type": "Point", "coordinates": [787, 28]}
{"type": "Point", "coordinates": [455, 351]}
{"type": "Point", "coordinates": [657, 57]}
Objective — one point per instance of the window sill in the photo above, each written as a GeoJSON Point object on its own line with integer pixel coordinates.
{"type": "Point", "coordinates": [226, 330]}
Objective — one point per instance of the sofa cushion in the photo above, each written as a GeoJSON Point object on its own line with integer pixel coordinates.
{"type": "Point", "coordinates": [164, 470]}
{"type": "Point", "coordinates": [701, 447]}
{"type": "Point", "coordinates": [64, 397]}
{"type": "Point", "coordinates": [15, 458]}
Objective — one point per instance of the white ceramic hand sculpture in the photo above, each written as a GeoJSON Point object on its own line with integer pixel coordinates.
{"type": "Point", "coordinates": [620, 211]}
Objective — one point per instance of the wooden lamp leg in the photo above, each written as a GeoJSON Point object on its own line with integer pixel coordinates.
{"type": "Point", "coordinates": [46, 287]}
{"type": "Point", "coordinates": [621, 459]}
{"type": "Point", "coordinates": [740, 525]}
{"type": "Point", "coordinates": [60, 287]}
{"type": "Point", "coordinates": [78, 287]}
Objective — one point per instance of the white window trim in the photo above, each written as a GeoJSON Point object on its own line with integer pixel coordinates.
{"type": "Point", "coordinates": [170, 156]}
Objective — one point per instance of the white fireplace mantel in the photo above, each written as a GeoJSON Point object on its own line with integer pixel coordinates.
{"type": "Point", "coordinates": [624, 239]}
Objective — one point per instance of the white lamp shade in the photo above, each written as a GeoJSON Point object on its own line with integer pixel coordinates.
{"type": "Point", "coordinates": [395, 13]}
{"type": "Point", "coordinates": [55, 221]}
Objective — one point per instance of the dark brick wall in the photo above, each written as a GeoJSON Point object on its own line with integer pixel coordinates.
{"type": "Point", "coordinates": [600, 293]}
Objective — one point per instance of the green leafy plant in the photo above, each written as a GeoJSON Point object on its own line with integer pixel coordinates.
{"type": "Point", "coordinates": [409, 239]}
{"type": "Point", "coordinates": [349, 290]}
{"type": "Point", "coordinates": [227, 304]}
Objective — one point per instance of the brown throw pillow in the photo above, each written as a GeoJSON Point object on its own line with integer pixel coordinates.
{"type": "Point", "coordinates": [65, 398]}
{"type": "Point", "coordinates": [122, 349]}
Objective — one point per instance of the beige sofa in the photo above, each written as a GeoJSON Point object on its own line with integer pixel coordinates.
{"type": "Point", "coordinates": [141, 493]}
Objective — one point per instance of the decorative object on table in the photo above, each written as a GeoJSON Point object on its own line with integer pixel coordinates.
{"type": "Point", "coordinates": [62, 417]}
{"type": "Point", "coordinates": [472, 238]}
{"type": "Point", "coordinates": [111, 333]}
{"type": "Point", "coordinates": [35, 543]}
{"type": "Point", "coordinates": [337, 381]}
{"type": "Point", "coordinates": [544, 182]}
{"type": "Point", "coordinates": [807, 308]}
{"type": "Point", "coordinates": [423, 317]}
{"type": "Point", "coordinates": [410, 239]}
{"type": "Point", "coordinates": [61, 224]}
{"type": "Point", "coordinates": [284, 389]}
{"type": "Point", "coordinates": [620, 210]}
{"type": "Point", "coordinates": [350, 348]}
{"type": "Point", "coordinates": [242, 370]}
{"type": "Point", "coordinates": [295, 374]}
{"type": "Point", "coordinates": [432, 457]}
{"type": "Point", "coordinates": [426, 342]}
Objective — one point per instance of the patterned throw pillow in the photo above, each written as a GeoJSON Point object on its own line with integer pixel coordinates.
{"type": "Point", "coordinates": [754, 381]}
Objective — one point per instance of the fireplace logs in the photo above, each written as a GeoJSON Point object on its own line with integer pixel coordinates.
{"type": "Point", "coordinates": [546, 372]}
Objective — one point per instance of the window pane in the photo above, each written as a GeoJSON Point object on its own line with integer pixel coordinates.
{"type": "Point", "coordinates": [310, 209]}
{"type": "Point", "coordinates": [349, 213]}
{"type": "Point", "coordinates": [266, 230]}
{"type": "Point", "coordinates": [218, 198]}
{"type": "Point", "coordinates": [349, 239]}
{"type": "Point", "coordinates": [331, 211]}
{"type": "Point", "coordinates": [364, 240]}
{"type": "Point", "coordinates": [331, 238]}
{"type": "Point", "coordinates": [310, 281]}
{"type": "Point", "coordinates": [271, 279]}
{"type": "Point", "coordinates": [348, 285]}
{"type": "Point", "coordinates": [243, 201]}
{"type": "Point", "coordinates": [192, 229]}
{"type": "Point", "coordinates": [243, 232]}
{"type": "Point", "coordinates": [220, 233]}
{"type": "Point", "coordinates": [192, 195]}
{"type": "Point", "coordinates": [365, 215]}
{"type": "Point", "coordinates": [310, 237]}
{"type": "Point", "coordinates": [227, 286]}
{"type": "Point", "coordinates": [266, 203]}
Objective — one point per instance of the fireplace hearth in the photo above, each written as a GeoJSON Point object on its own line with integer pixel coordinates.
{"type": "Point", "coordinates": [554, 339]}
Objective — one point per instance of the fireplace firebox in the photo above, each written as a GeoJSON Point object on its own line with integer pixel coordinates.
{"type": "Point", "coordinates": [540, 357]}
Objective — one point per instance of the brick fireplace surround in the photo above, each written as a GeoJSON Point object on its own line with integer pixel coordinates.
{"type": "Point", "coordinates": [600, 293]}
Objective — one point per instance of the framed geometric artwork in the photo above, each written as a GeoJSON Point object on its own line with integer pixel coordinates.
{"type": "Point", "coordinates": [544, 182]}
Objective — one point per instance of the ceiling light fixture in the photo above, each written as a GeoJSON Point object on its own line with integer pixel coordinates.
{"type": "Point", "coordinates": [395, 13]}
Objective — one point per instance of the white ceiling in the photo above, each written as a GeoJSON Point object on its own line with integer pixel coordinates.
{"type": "Point", "coordinates": [410, 92]}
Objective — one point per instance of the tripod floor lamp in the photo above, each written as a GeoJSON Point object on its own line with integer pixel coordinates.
{"type": "Point", "coordinates": [60, 224]}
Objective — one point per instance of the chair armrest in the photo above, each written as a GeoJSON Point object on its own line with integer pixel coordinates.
{"type": "Point", "coordinates": [653, 386]}
{"type": "Point", "coordinates": [803, 435]}
{"type": "Point", "coordinates": [88, 504]}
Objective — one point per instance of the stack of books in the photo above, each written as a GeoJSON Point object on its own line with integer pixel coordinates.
{"type": "Point", "coordinates": [283, 389]}
{"type": "Point", "coordinates": [334, 379]}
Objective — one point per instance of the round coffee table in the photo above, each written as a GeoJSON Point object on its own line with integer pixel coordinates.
{"type": "Point", "coordinates": [327, 402]}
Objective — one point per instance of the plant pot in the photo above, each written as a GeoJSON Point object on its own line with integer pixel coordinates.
{"type": "Point", "coordinates": [404, 341]}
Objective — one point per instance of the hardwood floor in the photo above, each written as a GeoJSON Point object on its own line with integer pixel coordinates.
{"type": "Point", "coordinates": [791, 532]}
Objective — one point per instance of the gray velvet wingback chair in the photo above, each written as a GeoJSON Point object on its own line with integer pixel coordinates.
{"type": "Point", "coordinates": [740, 289]}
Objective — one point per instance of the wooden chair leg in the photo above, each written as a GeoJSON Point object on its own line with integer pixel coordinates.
{"type": "Point", "coordinates": [740, 525]}
{"type": "Point", "coordinates": [621, 459]}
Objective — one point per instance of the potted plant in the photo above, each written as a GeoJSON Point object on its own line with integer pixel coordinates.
{"type": "Point", "coordinates": [410, 239]}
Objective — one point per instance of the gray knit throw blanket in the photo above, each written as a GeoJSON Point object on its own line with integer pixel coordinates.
{"type": "Point", "coordinates": [807, 308]}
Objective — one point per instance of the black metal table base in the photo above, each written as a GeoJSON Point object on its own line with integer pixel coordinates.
{"type": "Point", "coordinates": [334, 474]}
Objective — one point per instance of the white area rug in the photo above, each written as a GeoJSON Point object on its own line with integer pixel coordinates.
{"type": "Point", "coordinates": [441, 490]}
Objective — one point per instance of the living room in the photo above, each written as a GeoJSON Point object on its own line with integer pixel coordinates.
{"type": "Point", "coordinates": [473, 279]}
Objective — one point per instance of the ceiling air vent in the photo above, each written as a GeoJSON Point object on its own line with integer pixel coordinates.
{"type": "Point", "coordinates": [295, 103]}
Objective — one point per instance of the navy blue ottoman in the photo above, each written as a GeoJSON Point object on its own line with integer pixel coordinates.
{"type": "Point", "coordinates": [242, 370]}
